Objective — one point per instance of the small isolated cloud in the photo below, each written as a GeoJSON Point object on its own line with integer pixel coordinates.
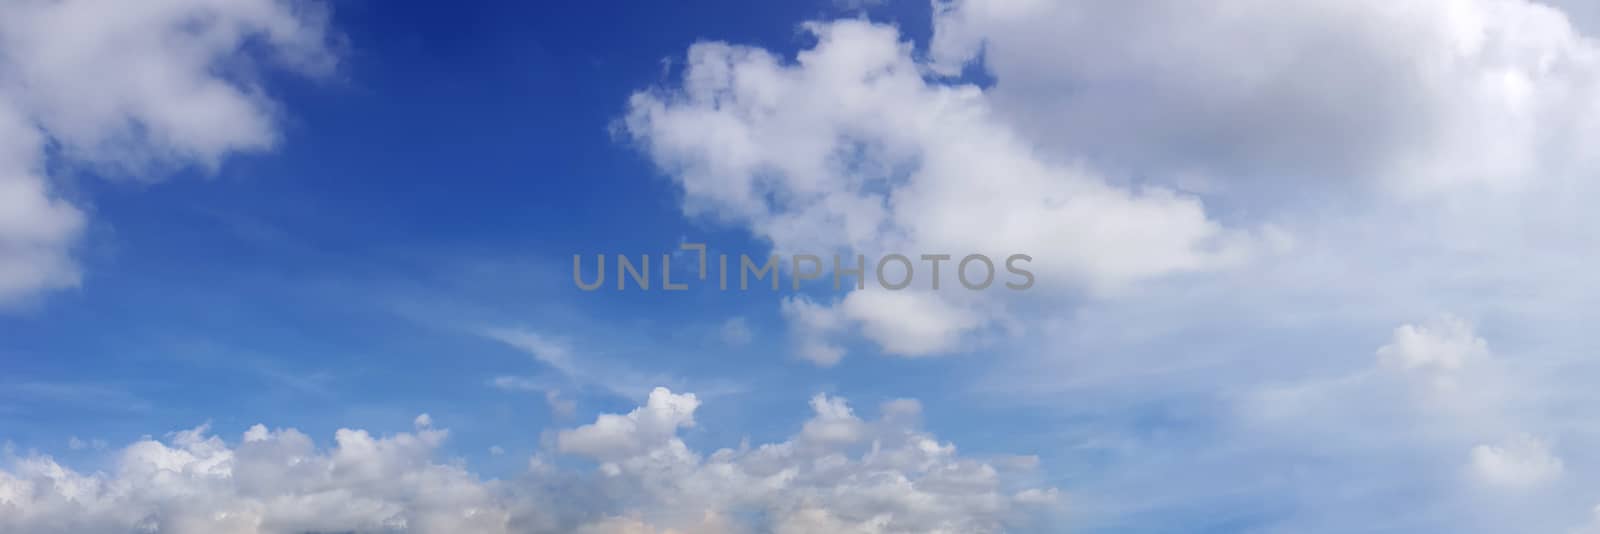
{"type": "Point", "coordinates": [559, 407]}
{"type": "Point", "coordinates": [516, 383]}
{"type": "Point", "coordinates": [1447, 344]}
{"type": "Point", "coordinates": [1522, 462]}
{"type": "Point", "coordinates": [736, 332]}
{"type": "Point", "coordinates": [858, 4]}
{"type": "Point", "coordinates": [76, 444]}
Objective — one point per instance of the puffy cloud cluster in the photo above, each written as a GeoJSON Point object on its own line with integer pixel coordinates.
{"type": "Point", "coordinates": [129, 89]}
{"type": "Point", "coordinates": [851, 147]}
{"type": "Point", "coordinates": [1124, 143]}
{"type": "Point", "coordinates": [1409, 155]}
{"type": "Point", "coordinates": [270, 481]}
{"type": "Point", "coordinates": [840, 474]}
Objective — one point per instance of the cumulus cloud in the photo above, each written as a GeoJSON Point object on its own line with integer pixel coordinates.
{"type": "Point", "coordinates": [849, 146]}
{"type": "Point", "coordinates": [840, 474]}
{"type": "Point", "coordinates": [1436, 377]}
{"type": "Point", "coordinates": [910, 323]}
{"type": "Point", "coordinates": [1522, 462]}
{"type": "Point", "coordinates": [1413, 96]}
{"type": "Point", "coordinates": [1417, 155]}
{"type": "Point", "coordinates": [1447, 345]}
{"type": "Point", "coordinates": [269, 481]}
{"type": "Point", "coordinates": [1078, 153]}
{"type": "Point", "coordinates": [186, 94]}
{"type": "Point", "coordinates": [616, 437]}
{"type": "Point", "coordinates": [649, 481]}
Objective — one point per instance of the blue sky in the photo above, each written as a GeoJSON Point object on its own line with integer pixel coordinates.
{"type": "Point", "coordinates": [1314, 269]}
{"type": "Point", "coordinates": [437, 184]}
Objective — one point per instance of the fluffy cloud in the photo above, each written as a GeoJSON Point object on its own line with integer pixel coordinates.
{"type": "Point", "coordinates": [840, 474]}
{"type": "Point", "coordinates": [1109, 123]}
{"type": "Point", "coordinates": [1438, 380]}
{"type": "Point", "coordinates": [618, 437]}
{"type": "Point", "coordinates": [851, 147]}
{"type": "Point", "coordinates": [270, 481]}
{"type": "Point", "coordinates": [1523, 462]}
{"type": "Point", "coordinates": [1418, 155]}
{"type": "Point", "coordinates": [1447, 346]}
{"type": "Point", "coordinates": [184, 93]}
{"type": "Point", "coordinates": [903, 323]}
{"type": "Point", "coordinates": [1411, 95]}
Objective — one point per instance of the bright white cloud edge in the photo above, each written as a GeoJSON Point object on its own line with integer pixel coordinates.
{"type": "Point", "coordinates": [840, 473]}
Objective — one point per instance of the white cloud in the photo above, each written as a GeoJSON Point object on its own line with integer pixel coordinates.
{"type": "Point", "coordinates": [1432, 406]}
{"type": "Point", "coordinates": [1447, 345]}
{"type": "Point", "coordinates": [278, 481]}
{"type": "Point", "coordinates": [834, 423]}
{"type": "Point", "coordinates": [1413, 95]}
{"type": "Point", "coordinates": [615, 437]}
{"type": "Point", "coordinates": [184, 95]}
{"type": "Point", "coordinates": [36, 228]}
{"type": "Point", "coordinates": [1417, 154]}
{"type": "Point", "coordinates": [736, 332]}
{"type": "Point", "coordinates": [272, 481]}
{"type": "Point", "coordinates": [840, 474]}
{"type": "Point", "coordinates": [849, 146]}
{"type": "Point", "coordinates": [1522, 462]}
{"type": "Point", "coordinates": [516, 383]}
{"type": "Point", "coordinates": [910, 323]}
{"type": "Point", "coordinates": [549, 351]}
{"type": "Point", "coordinates": [587, 371]}
{"type": "Point", "coordinates": [559, 407]}
{"type": "Point", "coordinates": [903, 323]}
{"type": "Point", "coordinates": [76, 444]}
{"type": "Point", "coordinates": [812, 327]}
{"type": "Point", "coordinates": [1437, 377]}
{"type": "Point", "coordinates": [1441, 354]}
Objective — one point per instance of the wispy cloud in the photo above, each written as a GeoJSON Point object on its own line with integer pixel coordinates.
{"type": "Point", "coordinates": [586, 372]}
